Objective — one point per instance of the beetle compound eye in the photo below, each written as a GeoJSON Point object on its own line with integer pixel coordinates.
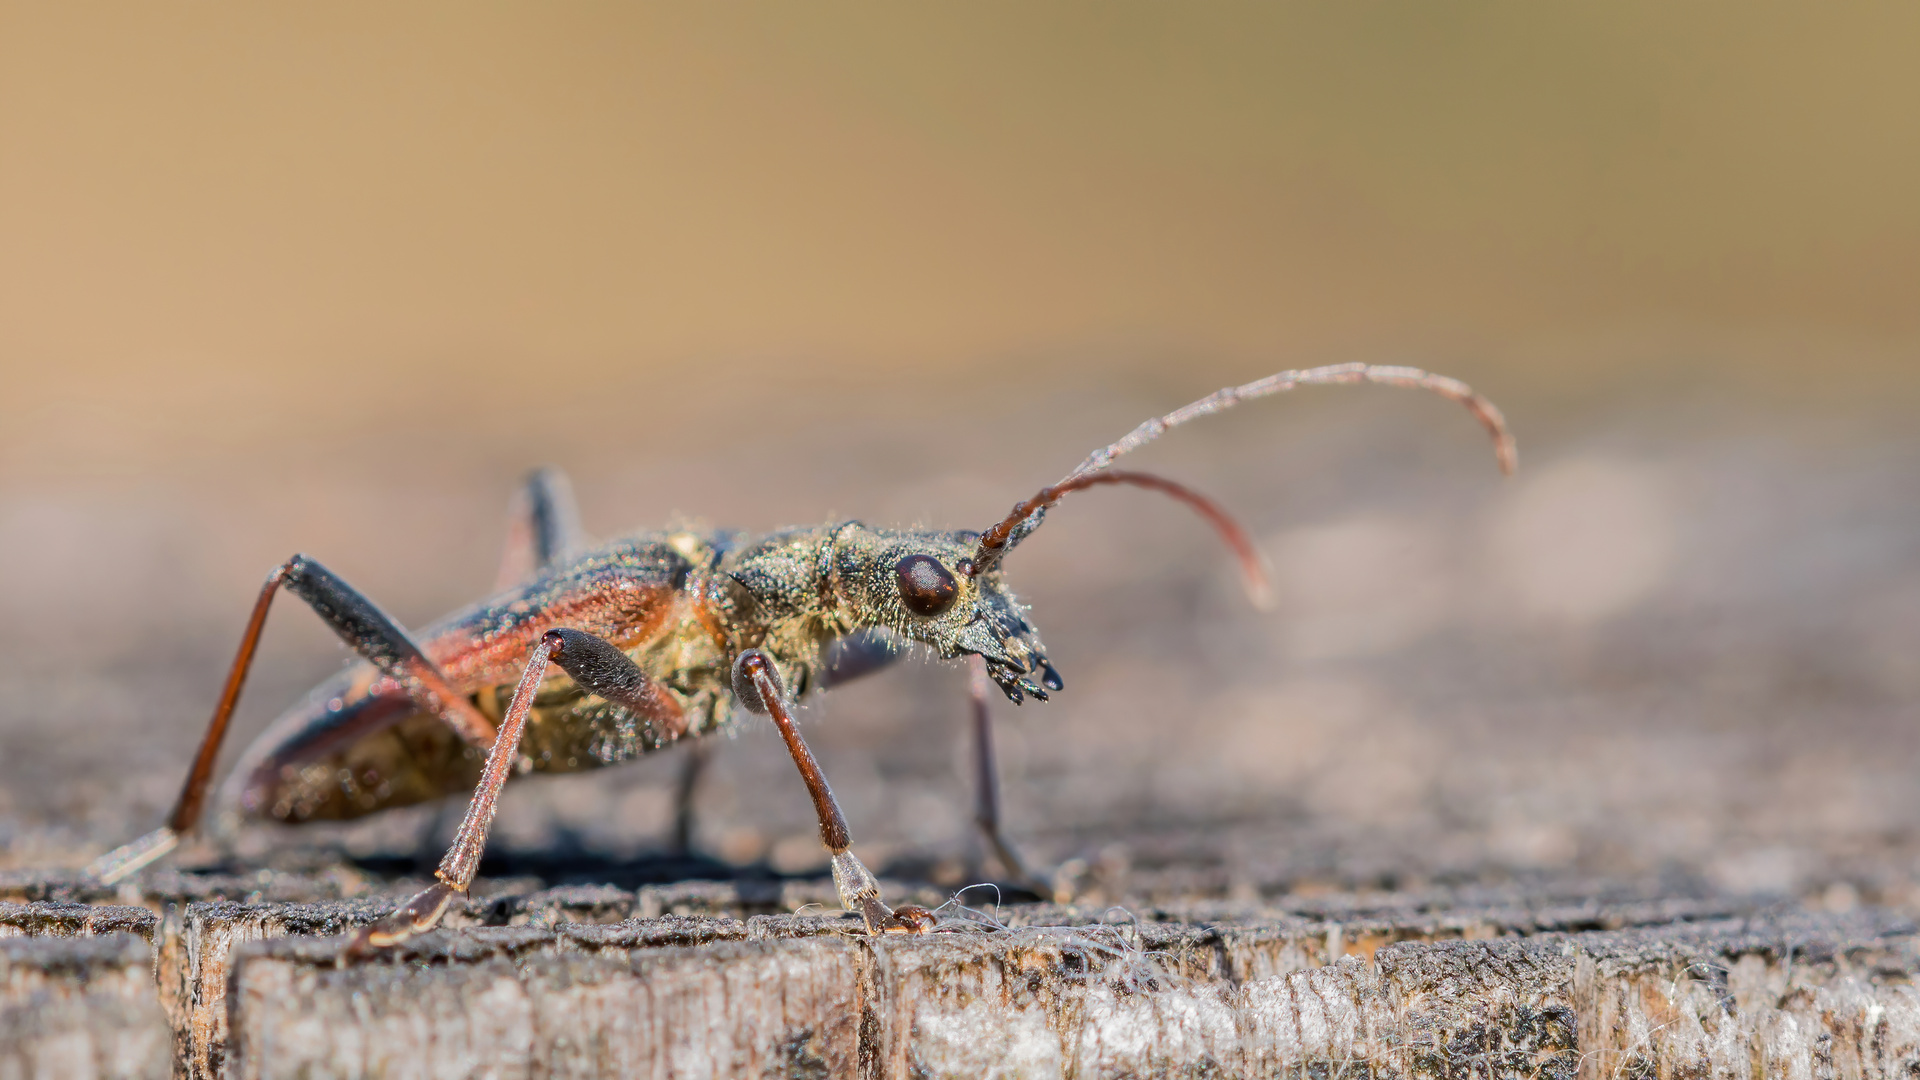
{"type": "Point", "coordinates": [925, 586]}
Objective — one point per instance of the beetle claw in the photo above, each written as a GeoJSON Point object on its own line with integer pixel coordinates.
{"type": "Point", "coordinates": [415, 917]}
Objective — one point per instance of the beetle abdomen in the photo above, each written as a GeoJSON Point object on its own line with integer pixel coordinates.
{"type": "Point", "coordinates": [344, 753]}
{"type": "Point", "coordinates": [358, 745]}
{"type": "Point", "coordinates": [353, 756]}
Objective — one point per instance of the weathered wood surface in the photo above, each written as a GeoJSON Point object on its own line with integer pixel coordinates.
{"type": "Point", "coordinates": [80, 1008]}
{"type": "Point", "coordinates": [687, 981]}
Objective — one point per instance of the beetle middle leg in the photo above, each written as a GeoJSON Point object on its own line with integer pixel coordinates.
{"type": "Point", "coordinates": [367, 630]}
{"type": "Point", "coordinates": [594, 663]}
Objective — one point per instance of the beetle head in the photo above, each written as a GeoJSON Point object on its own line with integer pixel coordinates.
{"type": "Point", "coordinates": [922, 587]}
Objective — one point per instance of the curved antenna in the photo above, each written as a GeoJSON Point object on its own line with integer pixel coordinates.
{"type": "Point", "coordinates": [996, 541]}
{"type": "Point", "coordinates": [1253, 565]}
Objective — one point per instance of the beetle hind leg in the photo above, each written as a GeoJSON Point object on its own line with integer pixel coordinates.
{"type": "Point", "coordinates": [365, 629]}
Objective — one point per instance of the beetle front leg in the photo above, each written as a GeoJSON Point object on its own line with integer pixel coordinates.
{"type": "Point", "coordinates": [757, 684]}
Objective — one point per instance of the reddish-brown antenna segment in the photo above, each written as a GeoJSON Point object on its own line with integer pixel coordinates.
{"type": "Point", "coordinates": [1253, 566]}
{"type": "Point", "coordinates": [993, 543]}
{"type": "Point", "coordinates": [1386, 374]}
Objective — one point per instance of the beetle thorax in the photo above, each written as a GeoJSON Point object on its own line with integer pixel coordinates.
{"type": "Point", "coordinates": [793, 592]}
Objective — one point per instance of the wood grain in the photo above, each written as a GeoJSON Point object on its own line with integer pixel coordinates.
{"type": "Point", "coordinates": [598, 981]}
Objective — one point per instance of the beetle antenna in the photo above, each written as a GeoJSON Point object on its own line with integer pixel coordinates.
{"type": "Point", "coordinates": [996, 541]}
{"type": "Point", "coordinates": [1253, 565]}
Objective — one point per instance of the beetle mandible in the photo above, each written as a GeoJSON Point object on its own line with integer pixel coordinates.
{"type": "Point", "coordinates": [657, 638]}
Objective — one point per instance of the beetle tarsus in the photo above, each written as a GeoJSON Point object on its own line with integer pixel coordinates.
{"type": "Point", "coordinates": [912, 919]}
{"type": "Point", "coordinates": [129, 858]}
{"type": "Point", "coordinates": [415, 917]}
{"type": "Point", "coordinates": [860, 891]}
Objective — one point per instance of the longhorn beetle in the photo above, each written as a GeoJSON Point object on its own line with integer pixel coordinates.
{"type": "Point", "coordinates": [656, 638]}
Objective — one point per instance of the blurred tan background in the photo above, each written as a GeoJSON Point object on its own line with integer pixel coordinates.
{"type": "Point", "coordinates": [278, 279]}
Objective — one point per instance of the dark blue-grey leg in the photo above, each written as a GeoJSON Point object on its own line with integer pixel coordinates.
{"type": "Point", "coordinates": [862, 652]}
{"type": "Point", "coordinates": [367, 630]}
{"type": "Point", "coordinates": [692, 766]}
{"type": "Point", "coordinates": [543, 529]}
{"type": "Point", "coordinates": [986, 782]}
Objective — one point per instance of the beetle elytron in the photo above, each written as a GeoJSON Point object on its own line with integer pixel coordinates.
{"type": "Point", "coordinates": [656, 638]}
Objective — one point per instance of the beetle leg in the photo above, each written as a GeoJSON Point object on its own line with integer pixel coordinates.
{"type": "Point", "coordinates": [601, 668]}
{"type": "Point", "coordinates": [757, 684]}
{"type": "Point", "coordinates": [849, 657]}
{"type": "Point", "coordinates": [698, 755]}
{"type": "Point", "coordinates": [462, 860]}
{"type": "Point", "coordinates": [544, 527]}
{"type": "Point", "coordinates": [986, 782]}
{"type": "Point", "coordinates": [594, 663]}
{"type": "Point", "coordinates": [860, 653]}
{"type": "Point", "coordinates": [365, 629]}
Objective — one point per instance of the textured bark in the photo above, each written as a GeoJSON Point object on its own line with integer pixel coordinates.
{"type": "Point", "coordinates": [685, 981]}
{"type": "Point", "coordinates": [1774, 995]}
{"type": "Point", "coordinates": [80, 1008]}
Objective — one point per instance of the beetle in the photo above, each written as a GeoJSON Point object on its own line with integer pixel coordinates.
{"type": "Point", "coordinates": [592, 657]}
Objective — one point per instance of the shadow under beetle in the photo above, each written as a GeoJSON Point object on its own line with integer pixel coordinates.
{"type": "Point", "coordinates": [591, 657]}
